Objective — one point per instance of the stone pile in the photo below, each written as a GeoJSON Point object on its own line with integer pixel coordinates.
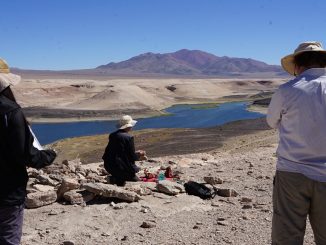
{"type": "Point", "coordinates": [76, 183]}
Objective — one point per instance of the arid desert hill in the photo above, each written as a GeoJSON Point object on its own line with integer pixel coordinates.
{"type": "Point", "coordinates": [75, 99]}
{"type": "Point", "coordinates": [189, 62]}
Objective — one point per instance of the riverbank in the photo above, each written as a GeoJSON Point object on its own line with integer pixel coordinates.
{"type": "Point", "coordinates": [168, 142]}
{"type": "Point", "coordinates": [50, 115]}
{"type": "Point", "coordinates": [179, 116]}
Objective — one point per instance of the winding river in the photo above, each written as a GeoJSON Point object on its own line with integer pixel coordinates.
{"type": "Point", "coordinates": [180, 116]}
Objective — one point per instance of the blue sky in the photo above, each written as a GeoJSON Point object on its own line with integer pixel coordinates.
{"type": "Point", "coordinates": [72, 34]}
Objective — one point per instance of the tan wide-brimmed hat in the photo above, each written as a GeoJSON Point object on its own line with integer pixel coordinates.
{"type": "Point", "coordinates": [126, 122]}
{"type": "Point", "coordinates": [288, 61]}
{"type": "Point", "coordinates": [6, 78]}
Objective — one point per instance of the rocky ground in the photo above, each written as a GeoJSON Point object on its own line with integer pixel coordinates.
{"type": "Point", "coordinates": [241, 167]}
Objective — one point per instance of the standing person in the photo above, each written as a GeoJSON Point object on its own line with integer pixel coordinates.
{"type": "Point", "coordinates": [120, 155]}
{"type": "Point", "coordinates": [16, 152]}
{"type": "Point", "coordinates": [298, 111]}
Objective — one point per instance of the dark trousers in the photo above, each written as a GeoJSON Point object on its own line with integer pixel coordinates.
{"type": "Point", "coordinates": [11, 224]}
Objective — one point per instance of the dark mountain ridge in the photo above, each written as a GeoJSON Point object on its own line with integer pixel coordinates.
{"type": "Point", "coordinates": [189, 62]}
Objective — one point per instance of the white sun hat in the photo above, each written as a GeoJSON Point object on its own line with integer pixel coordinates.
{"type": "Point", "coordinates": [288, 61]}
{"type": "Point", "coordinates": [126, 122]}
{"type": "Point", "coordinates": [6, 78]}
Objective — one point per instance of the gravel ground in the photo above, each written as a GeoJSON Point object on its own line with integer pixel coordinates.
{"type": "Point", "coordinates": [245, 163]}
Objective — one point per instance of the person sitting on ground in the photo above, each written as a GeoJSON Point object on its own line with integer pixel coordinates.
{"type": "Point", "coordinates": [120, 155]}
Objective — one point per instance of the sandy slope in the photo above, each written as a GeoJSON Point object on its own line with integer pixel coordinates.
{"type": "Point", "coordinates": [112, 97]}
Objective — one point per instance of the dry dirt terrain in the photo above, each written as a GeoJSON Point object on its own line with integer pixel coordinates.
{"type": "Point", "coordinates": [242, 155]}
{"type": "Point", "coordinates": [67, 99]}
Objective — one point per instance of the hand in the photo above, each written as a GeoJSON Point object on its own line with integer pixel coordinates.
{"type": "Point", "coordinates": [141, 153]}
{"type": "Point", "coordinates": [142, 158]}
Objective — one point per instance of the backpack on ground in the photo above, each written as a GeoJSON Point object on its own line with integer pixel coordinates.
{"type": "Point", "coordinates": [200, 190]}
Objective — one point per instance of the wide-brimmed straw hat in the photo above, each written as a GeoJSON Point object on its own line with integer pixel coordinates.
{"type": "Point", "coordinates": [6, 78]}
{"type": "Point", "coordinates": [288, 61]}
{"type": "Point", "coordinates": [126, 122]}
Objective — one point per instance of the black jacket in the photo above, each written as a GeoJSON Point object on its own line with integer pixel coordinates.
{"type": "Point", "coordinates": [119, 156]}
{"type": "Point", "coordinates": [17, 152]}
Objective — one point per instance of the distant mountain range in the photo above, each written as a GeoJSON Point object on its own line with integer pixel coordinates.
{"type": "Point", "coordinates": [189, 62]}
{"type": "Point", "coordinates": [183, 63]}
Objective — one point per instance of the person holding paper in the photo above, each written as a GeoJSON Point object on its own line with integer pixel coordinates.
{"type": "Point", "coordinates": [16, 153]}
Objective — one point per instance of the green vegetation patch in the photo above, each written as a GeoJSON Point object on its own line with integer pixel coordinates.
{"type": "Point", "coordinates": [205, 106]}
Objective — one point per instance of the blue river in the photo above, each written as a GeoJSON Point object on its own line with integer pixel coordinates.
{"type": "Point", "coordinates": [181, 116]}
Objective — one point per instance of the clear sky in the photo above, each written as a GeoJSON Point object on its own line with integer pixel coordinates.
{"type": "Point", "coordinates": [72, 34]}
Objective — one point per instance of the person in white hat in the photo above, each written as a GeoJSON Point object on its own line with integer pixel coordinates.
{"type": "Point", "coordinates": [298, 111]}
{"type": "Point", "coordinates": [120, 155]}
{"type": "Point", "coordinates": [16, 153]}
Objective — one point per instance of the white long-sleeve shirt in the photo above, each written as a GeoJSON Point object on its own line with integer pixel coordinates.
{"type": "Point", "coordinates": [298, 110]}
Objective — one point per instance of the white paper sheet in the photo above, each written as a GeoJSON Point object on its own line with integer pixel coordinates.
{"type": "Point", "coordinates": [36, 143]}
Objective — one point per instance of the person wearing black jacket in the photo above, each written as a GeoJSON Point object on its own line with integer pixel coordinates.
{"type": "Point", "coordinates": [16, 153]}
{"type": "Point", "coordinates": [120, 155]}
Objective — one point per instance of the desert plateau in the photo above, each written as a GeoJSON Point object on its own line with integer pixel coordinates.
{"type": "Point", "coordinates": [71, 98]}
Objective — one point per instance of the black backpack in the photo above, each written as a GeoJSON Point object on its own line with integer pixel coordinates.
{"type": "Point", "coordinates": [200, 190]}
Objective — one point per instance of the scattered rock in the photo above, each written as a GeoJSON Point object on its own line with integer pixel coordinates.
{"type": "Point", "coordinates": [152, 160]}
{"type": "Point", "coordinates": [67, 185]}
{"type": "Point", "coordinates": [56, 177]}
{"type": "Point", "coordinates": [78, 196]}
{"type": "Point", "coordinates": [215, 204]}
{"type": "Point", "coordinates": [213, 180]}
{"type": "Point", "coordinates": [247, 206]}
{"type": "Point", "coordinates": [144, 210]}
{"type": "Point", "coordinates": [125, 238]}
{"type": "Point", "coordinates": [227, 193]}
{"type": "Point", "coordinates": [68, 243]}
{"type": "Point", "coordinates": [246, 199]}
{"type": "Point", "coordinates": [46, 180]}
{"type": "Point", "coordinates": [43, 188]}
{"type": "Point", "coordinates": [223, 223]}
{"type": "Point", "coordinates": [148, 224]}
{"type": "Point", "coordinates": [32, 172]}
{"type": "Point", "coordinates": [111, 191]}
{"type": "Point", "coordinates": [39, 199]}
{"type": "Point", "coordinates": [170, 187]}
{"type": "Point", "coordinates": [72, 165]}
{"type": "Point", "coordinates": [142, 189]}
{"type": "Point", "coordinates": [53, 212]}
{"type": "Point", "coordinates": [118, 207]}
